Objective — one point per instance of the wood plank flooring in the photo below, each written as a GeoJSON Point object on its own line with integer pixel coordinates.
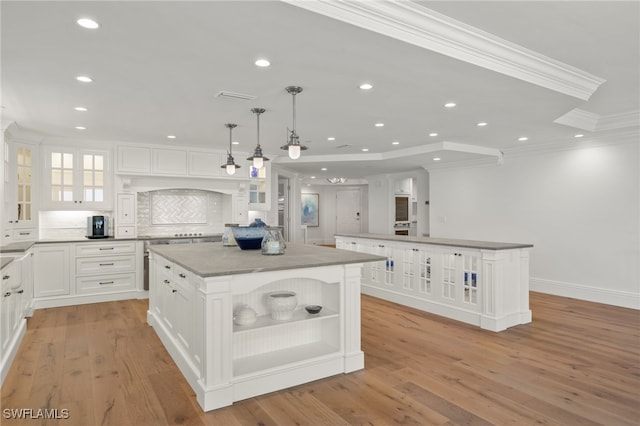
{"type": "Point", "coordinates": [578, 363]}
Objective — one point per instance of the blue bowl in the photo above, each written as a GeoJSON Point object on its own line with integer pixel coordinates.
{"type": "Point", "coordinates": [248, 238]}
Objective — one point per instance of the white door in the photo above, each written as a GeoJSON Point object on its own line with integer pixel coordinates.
{"type": "Point", "coordinates": [348, 211]}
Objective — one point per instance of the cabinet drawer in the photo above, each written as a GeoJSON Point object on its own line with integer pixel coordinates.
{"type": "Point", "coordinates": [25, 234]}
{"type": "Point", "coordinates": [105, 284]}
{"type": "Point", "coordinates": [125, 231]}
{"type": "Point", "coordinates": [104, 249]}
{"type": "Point", "coordinates": [105, 265]}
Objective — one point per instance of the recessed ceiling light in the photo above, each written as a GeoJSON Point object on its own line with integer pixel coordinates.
{"type": "Point", "coordinates": [81, 128]}
{"type": "Point", "coordinates": [436, 158]}
{"type": "Point", "coordinates": [482, 124]}
{"type": "Point", "coordinates": [331, 139]}
{"type": "Point", "coordinates": [379, 124]}
{"type": "Point", "coordinates": [365, 149]}
{"type": "Point", "coordinates": [262, 63]}
{"type": "Point", "coordinates": [579, 135]}
{"type": "Point", "coordinates": [324, 169]}
{"type": "Point", "coordinates": [88, 23]}
{"type": "Point", "coordinates": [313, 177]}
{"type": "Point", "coordinates": [450, 105]}
{"type": "Point", "coordinates": [366, 86]}
{"type": "Point", "coordinates": [523, 138]}
{"type": "Point", "coordinates": [171, 137]}
{"type": "Point", "coordinates": [81, 109]}
{"type": "Point", "coordinates": [395, 143]}
{"type": "Point", "coordinates": [84, 79]}
{"type": "Point", "coordinates": [235, 143]}
{"type": "Point", "coordinates": [433, 134]}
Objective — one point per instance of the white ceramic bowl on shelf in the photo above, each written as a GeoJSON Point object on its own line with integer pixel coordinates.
{"type": "Point", "coordinates": [282, 304]}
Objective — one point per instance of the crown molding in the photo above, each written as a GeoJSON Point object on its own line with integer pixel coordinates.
{"type": "Point", "coordinates": [400, 153]}
{"type": "Point", "coordinates": [426, 28]}
{"type": "Point", "coordinates": [585, 120]}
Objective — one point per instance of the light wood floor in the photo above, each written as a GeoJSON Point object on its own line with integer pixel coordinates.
{"type": "Point", "coordinates": [578, 363]}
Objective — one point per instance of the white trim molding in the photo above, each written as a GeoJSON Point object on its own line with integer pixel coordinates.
{"type": "Point", "coordinates": [585, 120]}
{"type": "Point", "coordinates": [415, 24]}
{"type": "Point", "coordinates": [592, 294]}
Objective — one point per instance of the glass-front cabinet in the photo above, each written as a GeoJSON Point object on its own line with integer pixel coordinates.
{"type": "Point", "coordinates": [76, 179]}
{"type": "Point", "coordinates": [259, 187]}
{"type": "Point", "coordinates": [20, 209]}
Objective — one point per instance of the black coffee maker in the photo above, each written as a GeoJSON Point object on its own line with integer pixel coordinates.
{"type": "Point", "coordinates": [97, 227]}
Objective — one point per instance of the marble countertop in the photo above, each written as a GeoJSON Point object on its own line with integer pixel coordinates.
{"type": "Point", "coordinates": [4, 261]}
{"type": "Point", "coordinates": [16, 248]}
{"type": "Point", "coordinates": [212, 259]}
{"type": "Point", "coordinates": [484, 245]}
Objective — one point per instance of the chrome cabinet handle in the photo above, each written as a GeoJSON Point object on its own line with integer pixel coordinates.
{"type": "Point", "coordinates": [105, 282]}
{"type": "Point", "coordinates": [106, 248]}
{"type": "Point", "coordinates": [167, 267]}
{"type": "Point", "coordinates": [7, 294]}
{"type": "Point", "coordinates": [20, 291]}
{"type": "Point", "coordinates": [182, 276]}
{"type": "Point", "coordinates": [6, 277]}
{"type": "Point", "coordinates": [166, 281]}
{"type": "Point", "coordinates": [106, 264]}
{"type": "Point", "coordinates": [174, 291]}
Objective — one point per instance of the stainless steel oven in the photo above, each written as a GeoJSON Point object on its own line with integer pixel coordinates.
{"type": "Point", "coordinates": [176, 239]}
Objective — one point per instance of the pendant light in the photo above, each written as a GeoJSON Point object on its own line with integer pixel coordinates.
{"type": "Point", "coordinates": [257, 157]}
{"type": "Point", "coordinates": [293, 140]}
{"type": "Point", "coordinates": [230, 165]}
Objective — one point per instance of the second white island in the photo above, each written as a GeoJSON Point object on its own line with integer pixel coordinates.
{"type": "Point", "coordinates": [195, 289]}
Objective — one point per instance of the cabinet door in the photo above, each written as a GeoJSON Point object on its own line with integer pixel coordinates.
{"type": "Point", "coordinates": [259, 187]}
{"type": "Point", "coordinates": [206, 164]}
{"type": "Point", "coordinates": [26, 279]}
{"type": "Point", "coordinates": [21, 197]}
{"type": "Point", "coordinates": [133, 159]}
{"type": "Point", "coordinates": [6, 316]}
{"type": "Point", "coordinates": [76, 179]}
{"type": "Point", "coordinates": [60, 178]}
{"type": "Point", "coordinates": [52, 270]}
{"type": "Point", "coordinates": [182, 298]}
{"type": "Point", "coordinates": [459, 278]}
{"type": "Point", "coordinates": [126, 205]}
{"type": "Point", "coordinates": [169, 162]}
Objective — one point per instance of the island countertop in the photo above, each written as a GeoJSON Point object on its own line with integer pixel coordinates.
{"type": "Point", "coordinates": [484, 245]}
{"type": "Point", "coordinates": [213, 259]}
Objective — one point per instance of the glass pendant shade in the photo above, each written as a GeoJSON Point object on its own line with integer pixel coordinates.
{"type": "Point", "coordinates": [294, 152]}
{"type": "Point", "coordinates": [257, 157]}
{"type": "Point", "coordinates": [293, 141]}
{"type": "Point", "coordinates": [230, 165]}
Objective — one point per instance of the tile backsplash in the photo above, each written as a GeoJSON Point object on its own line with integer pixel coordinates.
{"type": "Point", "coordinates": [179, 211]}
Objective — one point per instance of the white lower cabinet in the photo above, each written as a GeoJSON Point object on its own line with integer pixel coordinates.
{"type": "Point", "coordinates": [87, 272]}
{"type": "Point", "coordinates": [15, 297]}
{"type": "Point", "coordinates": [484, 287]}
{"type": "Point", "coordinates": [52, 270]}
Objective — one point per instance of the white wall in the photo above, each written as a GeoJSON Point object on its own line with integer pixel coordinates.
{"type": "Point", "coordinates": [324, 234]}
{"type": "Point", "coordinates": [580, 209]}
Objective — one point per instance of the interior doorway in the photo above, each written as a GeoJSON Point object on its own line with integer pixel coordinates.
{"type": "Point", "coordinates": [283, 205]}
{"type": "Point", "coordinates": [348, 211]}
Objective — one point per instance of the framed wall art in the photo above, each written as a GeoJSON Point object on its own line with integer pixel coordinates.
{"type": "Point", "coordinates": [310, 209]}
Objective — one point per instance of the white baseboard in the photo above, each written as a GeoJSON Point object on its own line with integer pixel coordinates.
{"type": "Point", "coordinates": [607, 296]}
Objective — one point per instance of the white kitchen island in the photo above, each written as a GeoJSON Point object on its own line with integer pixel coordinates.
{"type": "Point", "coordinates": [195, 289]}
{"type": "Point", "coordinates": [477, 282]}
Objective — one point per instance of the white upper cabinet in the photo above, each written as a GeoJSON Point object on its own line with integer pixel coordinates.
{"type": "Point", "coordinates": [76, 179]}
{"type": "Point", "coordinates": [19, 198]}
{"type": "Point", "coordinates": [169, 162]}
{"type": "Point", "coordinates": [134, 159]}
{"type": "Point", "coordinates": [259, 187]}
{"type": "Point", "coordinates": [206, 164]}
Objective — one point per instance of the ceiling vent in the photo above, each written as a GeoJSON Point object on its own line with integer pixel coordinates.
{"type": "Point", "coordinates": [235, 96]}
